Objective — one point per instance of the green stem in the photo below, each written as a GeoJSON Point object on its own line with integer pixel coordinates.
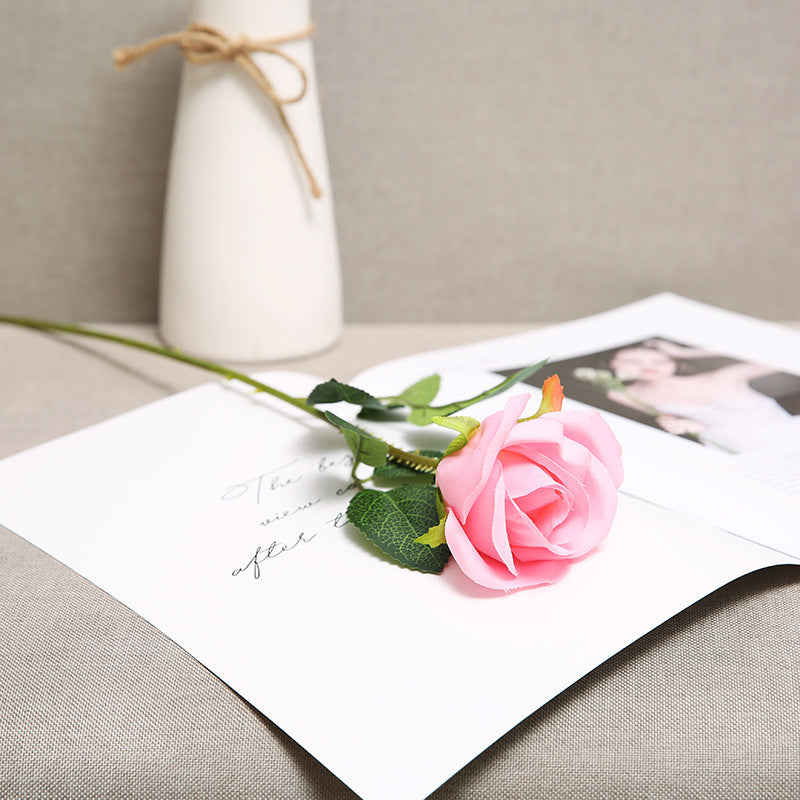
{"type": "Point", "coordinates": [168, 352]}
{"type": "Point", "coordinates": [414, 460]}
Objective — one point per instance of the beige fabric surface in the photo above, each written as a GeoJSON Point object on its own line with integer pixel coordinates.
{"type": "Point", "coordinates": [502, 161]}
{"type": "Point", "coordinates": [96, 704]}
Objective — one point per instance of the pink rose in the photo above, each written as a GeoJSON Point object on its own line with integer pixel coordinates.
{"type": "Point", "coordinates": [525, 499]}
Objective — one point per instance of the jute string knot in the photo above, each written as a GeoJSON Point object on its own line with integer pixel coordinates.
{"type": "Point", "coordinates": [203, 44]}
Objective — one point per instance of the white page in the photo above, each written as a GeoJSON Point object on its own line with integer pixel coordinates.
{"type": "Point", "coordinates": [369, 666]}
{"type": "Point", "coordinates": [754, 493]}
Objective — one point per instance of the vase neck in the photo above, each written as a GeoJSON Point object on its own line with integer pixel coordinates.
{"type": "Point", "coordinates": [253, 18]}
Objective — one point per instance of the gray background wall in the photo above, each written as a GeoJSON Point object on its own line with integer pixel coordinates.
{"type": "Point", "coordinates": [514, 160]}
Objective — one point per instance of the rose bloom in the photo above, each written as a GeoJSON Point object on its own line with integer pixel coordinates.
{"type": "Point", "coordinates": [525, 499]}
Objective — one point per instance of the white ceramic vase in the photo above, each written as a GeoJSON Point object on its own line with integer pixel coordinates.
{"type": "Point", "coordinates": [250, 267]}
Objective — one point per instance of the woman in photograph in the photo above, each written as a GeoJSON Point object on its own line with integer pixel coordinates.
{"type": "Point", "coordinates": [717, 406]}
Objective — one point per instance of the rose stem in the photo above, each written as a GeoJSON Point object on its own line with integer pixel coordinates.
{"type": "Point", "coordinates": [414, 460]}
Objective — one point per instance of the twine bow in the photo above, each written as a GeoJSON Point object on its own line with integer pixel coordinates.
{"type": "Point", "coordinates": [202, 44]}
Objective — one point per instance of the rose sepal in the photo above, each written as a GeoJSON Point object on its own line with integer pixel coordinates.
{"type": "Point", "coordinates": [464, 426]}
{"type": "Point", "coordinates": [435, 535]}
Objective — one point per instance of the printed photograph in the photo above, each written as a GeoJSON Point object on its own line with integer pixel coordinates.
{"type": "Point", "coordinates": [718, 401]}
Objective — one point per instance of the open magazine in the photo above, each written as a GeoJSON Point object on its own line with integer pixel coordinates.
{"type": "Point", "coordinates": [705, 402]}
{"type": "Point", "coordinates": [217, 515]}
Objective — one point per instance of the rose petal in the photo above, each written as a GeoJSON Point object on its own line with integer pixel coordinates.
{"type": "Point", "coordinates": [521, 475]}
{"type": "Point", "coordinates": [593, 486]}
{"type": "Point", "coordinates": [548, 441]}
{"type": "Point", "coordinates": [522, 530]}
{"type": "Point", "coordinates": [547, 506]}
{"type": "Point", "coordinates": [540, 573]}
{"type": "Point", "coordinates": [527, 540]}
{"type": "Point", "coordinates": [601, 493]}
{"type": "Point", "coordinates": [462, 475]}
{"type": "Point", "coordinates": [593, 432]}
{"type": "Point", "coordinates": [595, 504]}
{"type": "Point", "coordinates": [492, 574]}
{"type": "Point", "coordinates": [486, 521]}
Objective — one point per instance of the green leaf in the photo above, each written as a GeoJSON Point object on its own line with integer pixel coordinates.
{"type": "Point", "coordinates": [367, 449]}
{"type": "Point", "coordinates": [391, 413]}
{"type": "Point", "coordinates": [424, 416]}
{"type": "Point", "coordinates": [393, 520]}
{"type": "Point", "coordinates": [401, 478]}
{"type": "Point", "coordinates": [333, 391]}
{"type": "Point", "coordinates": [420, 393]}
{"type": "Point", "coordinates": [464, 425]}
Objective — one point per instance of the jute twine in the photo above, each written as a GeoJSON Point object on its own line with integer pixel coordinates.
{"type": "Point", "coordinates": [202, 44]}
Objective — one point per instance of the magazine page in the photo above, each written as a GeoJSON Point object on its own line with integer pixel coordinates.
{"type": "Point", "coordinates": [705, 402]}
{"type": "Point", "coordinates": [218, 516]}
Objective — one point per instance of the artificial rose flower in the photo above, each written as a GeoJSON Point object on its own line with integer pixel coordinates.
{"type": "Point", "coordinates": [525, 499]}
